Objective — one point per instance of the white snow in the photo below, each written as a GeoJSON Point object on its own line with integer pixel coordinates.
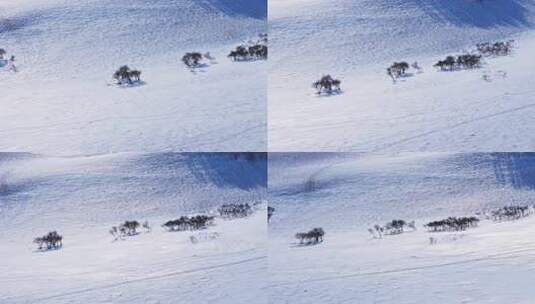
{"type": "Point", "coordinates": [493, 263]}
{"type": "Point", "coordinates": [63, 101]}
{"type": "Point", "coordinates": [83, 197]}
{"type": "Point", "coordinates": [356, 41]}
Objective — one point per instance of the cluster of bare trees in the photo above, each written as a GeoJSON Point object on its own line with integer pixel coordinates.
{"type": "Point", "coordinates": [510, 213]}
{"type": "Point", "coordinates": [255, 50]}
{"type": "Point", "coordinates": [184, 223]}
{"type": "Point", "coordinates": [194, 60]}
{"type": "Point", "coordinates": [128, 228]}
{"type": "Point", "coordinates": [235, 210]}
{"type": "Point", "coordinates": [391, 228]}
{"type": "Point", "coordinates": [52, 240]}
{"type": "Point", "coordinates": [500, 48]}
{"type": "Point", "coordinates": [452, 224]}
{"type": "Point", "coordinates": [311, 237]}
{"type": "Point", "coordinates": [327, 85]}
{"type": "Point", "coordinates": [465, 61]}
{"type": "Point", "coordinates": [124, 75]}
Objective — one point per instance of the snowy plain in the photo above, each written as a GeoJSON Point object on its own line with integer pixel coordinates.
{"type": "Point", "coordinates": [83, 197]}
{"type": "Point", "coordinates": [63, 101]}
{"type": "Point", "coordinates": [348, 193]}
{"type": "Point", "coordinates": [355, 41]}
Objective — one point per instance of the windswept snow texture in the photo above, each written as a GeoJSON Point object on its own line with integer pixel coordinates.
{"type": "Point", "coordinates": [63, 101]}
{"type": "Point", "coordinates": [83, 197]}
{"type": "Point", "coordinates": [487, 109]}
{"type": "Point", "coordinates": [351, 193]}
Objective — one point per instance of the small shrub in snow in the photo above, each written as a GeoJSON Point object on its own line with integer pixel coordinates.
{"type": "Point", "coordinates": [52, 240]}
{"type": "Point", "coordinates": [270, 210]}
{"type": "Point", "coordinates": [452, 224]}
{"type": "Point", "coordinates": [314, 236]}
{"type": "Point", "coordinates": [192, 60]}
{"type": "Point", "coordinates": [189, 223]}
{"type": "Point", "coordinates": [235, 210]}
{"type": "Point", "coordinates": [397, 69]}
{"type": "Point", "coordinates": [124, 75]}
{"type": "Point", "coordinates": [128, 228]}
{"type": "Point", "coordinates": [2, 53]}
{"type": "Point", "coordinates": [146, 226]}
{"type": "Point", "coordinates": [327, 85]}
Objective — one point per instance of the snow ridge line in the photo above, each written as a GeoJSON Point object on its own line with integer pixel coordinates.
{"type": "Point", "coordinates": [149, 278]}
{"type": "Point", "coordinates": [498, 256]}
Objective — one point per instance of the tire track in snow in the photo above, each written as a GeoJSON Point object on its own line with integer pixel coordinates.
{"type": "Point", "coordinates": [149, 278]}
{"type": "Point", "coordinates": [498, 256]}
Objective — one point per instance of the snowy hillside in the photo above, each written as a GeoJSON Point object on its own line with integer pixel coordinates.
{"type": "Point", "coordinates": [63, 101]}
{"type": "Point", "coordinates": [83, 197]}
{"type": "Point", "coordinates": [485, 109]}
{"type": "Point", "coordinates": [347, 194]}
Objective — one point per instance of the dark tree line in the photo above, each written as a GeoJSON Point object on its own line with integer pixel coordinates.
{"type": "Point", "coordinates": [235, 210]}
{"type": "Point", "coordinates": [311, 237]}
{"type": "Point", "coordinates": [184, 223]}
{"type": "Point", "coordinates": [327, 85]}
{"type": "Point", "coordinates": [124, 75]}
{"type": "Point", "coordinates": [509, 213]}
{"type": "Point", "coordinates": [52, 240]}
{"type": "Point", "coordinates": [465, 61]}
{"type": "Point", "coordinates": [452, 224]}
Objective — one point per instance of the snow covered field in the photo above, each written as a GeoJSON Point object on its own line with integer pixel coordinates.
{"type": "Point", "coordinates": [348, 193]}
{"type": "Point", "coordinates": [356, 41]}
{"type": "Point", "coordinates": [62, 100]}
{"type": "Point", "coordinates": [83, 197]}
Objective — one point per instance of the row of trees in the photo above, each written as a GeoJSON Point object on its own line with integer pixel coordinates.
{"type": "Point", "coordinates": [509, 213]}
{"type": "Point", "coordinates": [391, 228]}
{"type": "Point", "coordinates": [500, 48]}
{"type": "Point", "coordinates": [452, 224]}
{"type": "Point", "coordinates": [235, 210]}
{"type": "Point", "coordinates": [465, 61]}
{"type": "Point", "coordinates": [128, 228]}
{"type": "Point", "coordinates": [184, 223]}
{"type": "Point", "coordinates": [52, 240]}
{"type": "Point", "coordinates": [254, 50]}
{"type": "Point", "coordinates": [311, 237]}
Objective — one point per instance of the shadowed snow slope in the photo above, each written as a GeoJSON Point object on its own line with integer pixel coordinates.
{"type": "Point", "coordinates": [347, 194]}
{"type": "Point", "coordinates": [62, 100]}
{"type": "Point", "coordinates": [356, 41]}
{"type": "Point", "coordinates": [83, 197]}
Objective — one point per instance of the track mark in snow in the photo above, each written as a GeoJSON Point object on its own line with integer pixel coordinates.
{"type": "Point", "coordinates": [149, 278]}
{"type": "Point", "coordinates": [462, 123]}
{"type": "Point", "coordinates": [498, 256]}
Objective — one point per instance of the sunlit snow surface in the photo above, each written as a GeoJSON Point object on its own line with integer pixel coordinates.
{"type": "Point", "coordinates": [63, 100]}
{"type": "Point", "coordinates": [356, 41]}
{"type": "Point", "coordinates": [347, 194]}
{"type": "Point", "coordinates": [83, 197]}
